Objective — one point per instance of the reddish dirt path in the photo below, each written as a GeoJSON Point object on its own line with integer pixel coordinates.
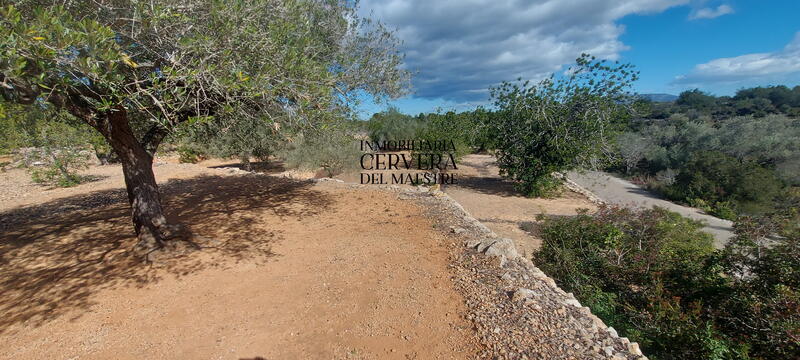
{"type": "Point", "coordinates": [295, 271]}
{"type": "Point", "coordinates": [493, 201]}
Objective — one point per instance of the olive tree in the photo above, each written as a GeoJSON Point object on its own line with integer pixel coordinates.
{"type": "Point", "coordinates": [135, 70]}
{"type": "Point", "coordinates": [560, 123]}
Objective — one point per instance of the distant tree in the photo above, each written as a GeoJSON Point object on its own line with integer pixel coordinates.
{"type": "Point", "coordinates": [697, 100]}
{"type": "Point", "coordinates": [560, 123]}
{"type": "Point", "coordinates": [392, 124]}
{"type": "Point", "coordinates": [134, 71]}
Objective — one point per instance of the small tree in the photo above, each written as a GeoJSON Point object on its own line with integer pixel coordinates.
{"type": "Point", "coordinates": [134, 71]}
{"type": "Point", "coordinates": [560, 123]}
{"type": "Point", "coordinates": [632, 148]}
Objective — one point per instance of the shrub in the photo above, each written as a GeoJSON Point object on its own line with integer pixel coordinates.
{"type": "Point", "coordinates": [449, 126]}
{"type": "Point", "coordinates": [655, 277]}
{"type": "Point", "coordinates": [59, 155]}
{"type": "Point", "coordinates": [728, 185]}
{"type": "Point", "coordinates": [335, 152]}
{"type": "Point", "coordinates": [189, 153]}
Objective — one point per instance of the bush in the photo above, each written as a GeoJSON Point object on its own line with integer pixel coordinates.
{"type": "Point", "coordinates": [655, 277]}
{"type": "Point", "coordinates": [335, 152]}
{"type": "Point", "coordinates": [450, 126]}
{"type": "Point", "coordinates": [243, 137]}
{"type": "Point", "coordinates": [727, 185]}
{"type": "Point", "coordinates": [59, 155]}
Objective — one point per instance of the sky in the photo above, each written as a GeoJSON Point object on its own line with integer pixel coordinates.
{"type": "Point", "coordinates": [457, 49]}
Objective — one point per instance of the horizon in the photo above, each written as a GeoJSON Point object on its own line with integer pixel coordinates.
{"type": "Point", "coordinates": [457, 53]}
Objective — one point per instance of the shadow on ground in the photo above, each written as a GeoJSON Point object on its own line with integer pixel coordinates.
{"type": "Point", "coordinates": [488, 185]}
{"type": "Point", "coordinates": [55, 256]}
{"type": "Point", "coordinates": [266, 167]}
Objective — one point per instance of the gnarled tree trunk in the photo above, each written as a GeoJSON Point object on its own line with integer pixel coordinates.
{"type": "Point", "coordinates": [137, 166]}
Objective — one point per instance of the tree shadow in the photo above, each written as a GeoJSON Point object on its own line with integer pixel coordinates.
{"type": "Point", "coordinates": [490, 185]}
{"type": "Point", "coordinates": [265, 167]}
{"type": "Point", "coordinates": [55, 256]}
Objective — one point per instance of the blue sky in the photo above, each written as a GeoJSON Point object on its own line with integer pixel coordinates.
{"type": "Point", "coordinates": [458, 48]}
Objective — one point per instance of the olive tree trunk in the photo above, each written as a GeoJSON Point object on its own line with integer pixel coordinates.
{"type": "Point", "coordinates": [137, 166]}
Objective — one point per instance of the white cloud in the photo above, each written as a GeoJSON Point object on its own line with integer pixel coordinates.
{"type": "Point", "coordinates": [764, 67]}
{"type": "Point", "coordinates": [459, 48]}
{"type": "Point", "coordinates": [709, 13]}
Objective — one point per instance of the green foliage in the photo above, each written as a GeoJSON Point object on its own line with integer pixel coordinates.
{"type": "Point", "coordinates": [61, 151]}
{"type": "Point", "coordinates": [756, 102]}
{"type": "Point", "coordinates": [393, 125]}
{"type": "Point", "coordinates": [335, 151]}
{"type": "Point", "coordinates": [724, 182]}
{"type": "Point", "coordinates": [735, 167]}
{"type": "Point", "coordinates": [655, 277]}
{"type": "Point", "coordinates": [560, 123]}
{"type": "Point", "coordinates": [449, 126]}
{"type": "Point", "coordinates": [244, 138]}
{"type": "Point", "coordinates": [189, 153]}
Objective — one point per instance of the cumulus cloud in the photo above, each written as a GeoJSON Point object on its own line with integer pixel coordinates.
{"type": "Point", "coordinates": [459, 48]}
{"type": "Point", "coordinates": [747, 68]}
{"type": "Point", "coordinates": [710, 13]}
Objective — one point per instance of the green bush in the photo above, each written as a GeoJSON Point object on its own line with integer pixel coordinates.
{"type": "Point", "coordinates": [61, 151]}
{"type": "Point", "coordinates": [190, 153]}
{"type": "Point", "coordinates": [335, 152]}
{"type": "Point", "coordinates": [655, 277]}
{"type": "Point", "coordinates": [726, 185]}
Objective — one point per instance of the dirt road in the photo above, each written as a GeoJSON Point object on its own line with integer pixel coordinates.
{"type": "Point", "coordinates": [289, 270]}
{"type": "Point", "coordinates": [621, 192]}
{"type": "Point", "coordinates": [493, 201]}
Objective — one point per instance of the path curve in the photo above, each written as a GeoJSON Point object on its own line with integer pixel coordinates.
{"type": "Point", "coordinates": [621, 192]}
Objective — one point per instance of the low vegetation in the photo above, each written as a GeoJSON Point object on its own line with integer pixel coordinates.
{"type": "Point", "coordinates": [736, 166]}
{"type": "Point", "coordinates": [655, 277]}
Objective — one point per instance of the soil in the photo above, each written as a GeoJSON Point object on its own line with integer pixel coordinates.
{"type": "Point", "coordinates": [287, 269]}
{"type": "Point", "coordinates": [493, 201]}
{"type": "Point", "coordinates": [283, 267]}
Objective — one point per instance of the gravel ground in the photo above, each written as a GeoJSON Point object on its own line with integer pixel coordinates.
{"type": "Point", "coordinates": [518, 311]}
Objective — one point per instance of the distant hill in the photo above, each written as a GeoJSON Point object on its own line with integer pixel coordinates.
{"type": "Point", "coordinates": [659, 97]}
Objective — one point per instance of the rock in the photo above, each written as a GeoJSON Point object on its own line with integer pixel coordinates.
{"type": "Point", "coordinates": [612, 331]}
{"type": "Point", "coordinates": [472, 243]}
{"type": "Point", "coordinates": [608, 350]}
{"type": "Point", "coordinates": [457, 230]}
{"type": "Point", "coordinates": [634, 349]}
{"type": "Point", "coordinates": [572, 301]}
{"type": "Point", "coordinates": [503, 248]}
{"type": "Point", "coordinates": [523, 293]}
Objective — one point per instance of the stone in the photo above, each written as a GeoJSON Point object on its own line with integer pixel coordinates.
{"type": "Point", "coordinates": [502, 248]}
{"type": "Point", "coordinates": [613, 332]}
{"type": "Point", "coordinates": [572, 301]}
{"type": "Point", "coordinates": [457, 230]}
{"type": "Point", "coordinates": [523, 293]}
{"type": "Point", "coordinates": [634, 349]}
{"type": "Point", "coordinates": [472, 243]}
{"type": "Point", "coordinates": [608, 350]}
